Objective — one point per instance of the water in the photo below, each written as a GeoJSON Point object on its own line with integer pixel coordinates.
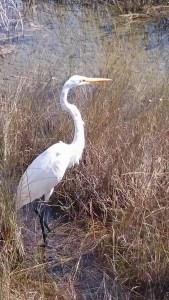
{"type": "Point", "coordinates": [58, 41]}
{"type": "Point", "coordinates": [62, 40]}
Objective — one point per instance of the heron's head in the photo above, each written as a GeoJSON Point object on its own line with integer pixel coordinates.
{"type": "Point", "coordinates": [77, 80]}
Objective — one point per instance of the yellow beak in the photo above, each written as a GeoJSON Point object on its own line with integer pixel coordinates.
{"type": "Point", "coordinates": [97, 80]}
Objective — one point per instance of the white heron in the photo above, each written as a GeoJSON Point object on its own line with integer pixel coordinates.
{"type": "Point", "coordinates": [48, 169]}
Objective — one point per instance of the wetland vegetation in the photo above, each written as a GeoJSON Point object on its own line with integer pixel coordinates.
{"type": "Point", "coordinates": [110, 215]}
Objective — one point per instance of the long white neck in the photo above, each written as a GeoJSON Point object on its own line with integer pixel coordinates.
{"type": "Point", "coordinates": [79, 138]}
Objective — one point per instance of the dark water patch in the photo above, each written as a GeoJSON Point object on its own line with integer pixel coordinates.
{"type": "Point", "coordinates": [157, 34]}
{"type": "Point", "coordinates": [89, 278]}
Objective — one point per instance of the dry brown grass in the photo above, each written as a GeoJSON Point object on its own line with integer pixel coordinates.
{"type": "Point", "coordinates": [133, 6]}
{"type": "Point", "coordinates": [126, 7]}
{"type": "Point", "coordinates": [119, 193]}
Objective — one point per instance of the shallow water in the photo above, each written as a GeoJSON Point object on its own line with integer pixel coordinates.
{"type": "Point", "coordinates": [62, 40]}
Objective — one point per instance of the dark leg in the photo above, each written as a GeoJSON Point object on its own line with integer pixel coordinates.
{"type": "Point", "coordinates": [41, 219]}
{"type": "Point", "coordinates": [40, 211]}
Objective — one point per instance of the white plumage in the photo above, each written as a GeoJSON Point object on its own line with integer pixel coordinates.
{"type": "Point", "coordinates": [45, 172]}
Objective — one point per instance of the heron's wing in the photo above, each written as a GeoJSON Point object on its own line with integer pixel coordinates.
{"type": "Point", "coordinates": [43, 174]}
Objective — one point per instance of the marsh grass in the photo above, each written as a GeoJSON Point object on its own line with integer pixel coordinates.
{"type": "Point", "coordinates": [117, 197]}
{"type": "Point", "coordinates": [134, 6]}
{"type": "Point", "coordinates": [124, 7]}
